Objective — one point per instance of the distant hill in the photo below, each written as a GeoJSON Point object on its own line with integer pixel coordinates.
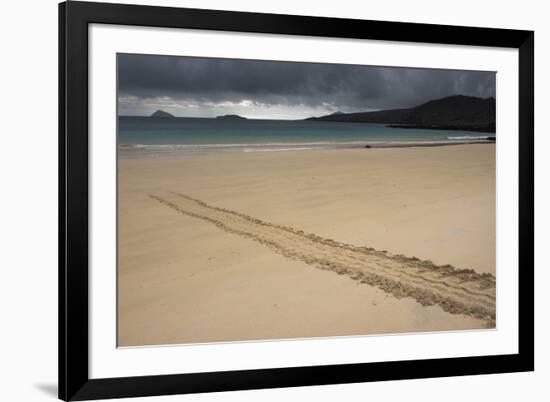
{"type": "Point", "coordinates": [161, 113]}
{"type": "Point", "coordinates": [451, 113]}
{"type": "Point", "coordinates": [231, 117]}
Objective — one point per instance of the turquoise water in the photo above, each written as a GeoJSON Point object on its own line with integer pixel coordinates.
{"type": "Point", "coordinates": [155, 136]}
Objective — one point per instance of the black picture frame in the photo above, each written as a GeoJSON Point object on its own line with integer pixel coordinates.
{"type": "Point", "coordinates": [74, 381]}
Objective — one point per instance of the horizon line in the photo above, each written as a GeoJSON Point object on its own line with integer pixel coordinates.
{"type": "Point", "coordinates": [308, 117]}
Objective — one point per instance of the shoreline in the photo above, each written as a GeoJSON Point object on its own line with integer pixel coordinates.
{"type": "Point", "coordinates": [483, 128]}
{"type": "Point", "coordinates": [196, 149]}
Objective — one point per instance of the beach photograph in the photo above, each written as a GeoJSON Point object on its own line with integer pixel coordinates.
{"type": "Point", "coordinates": [263, 200]}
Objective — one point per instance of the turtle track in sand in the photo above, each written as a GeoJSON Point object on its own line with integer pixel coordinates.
{"type": "Point", "coordinates": [456, 291]}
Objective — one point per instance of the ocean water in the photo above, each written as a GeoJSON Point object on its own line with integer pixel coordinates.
{"type": "Point", "coordinates": [145, 136]}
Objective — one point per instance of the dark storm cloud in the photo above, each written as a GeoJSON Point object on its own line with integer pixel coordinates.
{"type": "Point", "coordinates": [200, 84]}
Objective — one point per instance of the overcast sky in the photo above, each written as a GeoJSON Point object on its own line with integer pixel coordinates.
{"type": "Point", "coordinates": [208, 87]}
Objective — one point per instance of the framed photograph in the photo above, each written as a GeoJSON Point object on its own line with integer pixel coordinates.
{"type": "Point", "coordinates": [257, 201]}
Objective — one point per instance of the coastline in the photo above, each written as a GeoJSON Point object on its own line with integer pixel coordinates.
{"type": "Point", "coordinates": [203, 284]}
{"type": "Point", "coordinates": [482, 128]}
{"type": "Point", "coordinates": [136, 150]}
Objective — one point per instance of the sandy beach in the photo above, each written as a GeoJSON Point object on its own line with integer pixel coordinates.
{"type": "Point", "coordinates": [273, 245]}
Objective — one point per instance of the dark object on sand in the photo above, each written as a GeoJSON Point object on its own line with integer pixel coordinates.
{"type": "Point", "coordinates": [368, 146]}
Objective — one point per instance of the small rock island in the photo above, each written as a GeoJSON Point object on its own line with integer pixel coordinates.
{"type": "Point", "coordinates": [231, 117]}
{"type": "Point", "coordinates": [162, 113]}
